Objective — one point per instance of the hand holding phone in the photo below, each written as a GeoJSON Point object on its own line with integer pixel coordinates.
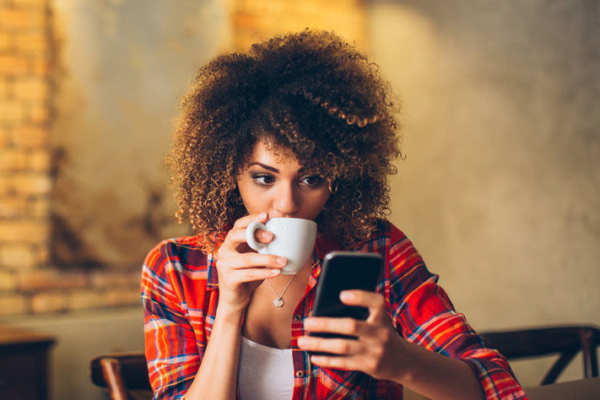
{"type": "Point", "coordinates": [344, 270]}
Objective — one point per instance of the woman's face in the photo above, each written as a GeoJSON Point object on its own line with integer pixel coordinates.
{"type": "Point", "coordinates": [273, 181]}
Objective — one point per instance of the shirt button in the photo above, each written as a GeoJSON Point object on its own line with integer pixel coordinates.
{"type": "Point", "coordinates": [299, 374]}
{"type": "Point", "coordinates": [297, 317]}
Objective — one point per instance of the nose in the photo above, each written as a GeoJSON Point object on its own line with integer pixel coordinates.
{"type": "Point", "coordinates": [285, 203]}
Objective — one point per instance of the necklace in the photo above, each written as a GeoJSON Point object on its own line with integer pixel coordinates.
{"type": "Point", "coordinates": [278, 300]}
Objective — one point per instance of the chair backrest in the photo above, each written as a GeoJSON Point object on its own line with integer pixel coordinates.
{"type": "Point", "coordinates": [125, 375]}
{"type": "Point", "coordinates": [564, 340]}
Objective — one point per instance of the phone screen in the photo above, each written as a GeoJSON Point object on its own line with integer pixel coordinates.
{"type": "Point", "coordinates": [344, 271]}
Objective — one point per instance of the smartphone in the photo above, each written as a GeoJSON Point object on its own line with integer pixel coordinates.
{"type": "Point", "coordinates": [344, 270]}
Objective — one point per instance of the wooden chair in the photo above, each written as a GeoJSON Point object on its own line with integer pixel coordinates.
{"type": "Point", "coordinates": [124, 375]}
{"type": "Point", "coordinates": [564, 340]}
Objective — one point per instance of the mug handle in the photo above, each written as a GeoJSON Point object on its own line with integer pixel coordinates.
{"type": "Point", "coordinates": [250, 231]}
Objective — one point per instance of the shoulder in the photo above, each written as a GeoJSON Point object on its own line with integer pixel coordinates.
{"type": "Point", "coordinates": [397, 249]}
{"type": "Point", "coordinates": [386, 237]}
{"type": "Point", "coordinates": [181, 253]}
{"type": "Point", "coordinates": [174, 270]}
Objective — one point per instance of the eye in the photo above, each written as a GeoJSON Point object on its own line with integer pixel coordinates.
{"type": "Point", "coordinates": [312, 181]}
{"type": "Point", "coordinates": [263, 179]}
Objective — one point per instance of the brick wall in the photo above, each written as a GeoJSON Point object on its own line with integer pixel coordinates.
{"type": "Point", "coordinates": [29, 283]}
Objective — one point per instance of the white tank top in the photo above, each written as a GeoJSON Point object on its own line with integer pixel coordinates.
{"type": "Point", "coordinates": [265, 373]}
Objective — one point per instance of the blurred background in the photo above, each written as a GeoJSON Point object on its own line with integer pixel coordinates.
{"type": "Point", "coordinates": [499, 190]}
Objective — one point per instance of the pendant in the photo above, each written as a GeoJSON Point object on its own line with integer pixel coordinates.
{"type": "Point", "coordinates": [278, 302]}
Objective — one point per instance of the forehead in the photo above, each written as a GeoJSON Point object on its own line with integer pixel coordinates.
{"type": "Point", "coordinates": [269, 153]}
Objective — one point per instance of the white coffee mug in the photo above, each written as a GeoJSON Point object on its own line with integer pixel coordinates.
{"type": "Point", "coordinates": [294, 239]}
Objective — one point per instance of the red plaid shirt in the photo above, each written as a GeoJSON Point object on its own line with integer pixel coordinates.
{"type": "Point", "coordinates": [180, 293]}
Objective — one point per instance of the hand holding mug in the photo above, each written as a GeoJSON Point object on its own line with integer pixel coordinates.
{"type": "Point", "coordinates": [240, 269]}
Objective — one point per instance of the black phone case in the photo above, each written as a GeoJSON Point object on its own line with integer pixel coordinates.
{"type": "Point", "coordinates": [344, 270]}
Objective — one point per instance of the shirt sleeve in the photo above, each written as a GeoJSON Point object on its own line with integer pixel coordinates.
{"type": "Point", "coordinates": [423, 314]}
{"type": "Point", "coordinates": [172, 355]}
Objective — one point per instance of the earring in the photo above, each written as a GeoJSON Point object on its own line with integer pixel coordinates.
{"type": "Point", "coordinates": [333, 187]}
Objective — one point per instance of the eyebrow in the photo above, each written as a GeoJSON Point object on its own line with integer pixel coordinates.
{"type": "Point", "coordinates": [268, 167]}
{"type": "Point", "coordinates": [265, 166]}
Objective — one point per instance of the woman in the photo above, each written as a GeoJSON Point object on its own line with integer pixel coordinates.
{"type": "Point", "coordinates": [301, 126]}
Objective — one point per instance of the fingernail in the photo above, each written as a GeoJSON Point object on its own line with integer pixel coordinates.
{"type": "Point", "coordinates": [281, 260]}
{"type": "Point", "coordinates": [262, 215]}
{"type": "Point", "coordinates": [308, 323]}
{"type": "Point", "coordinates": [275, 272]}
{"type": "Point", "coordinates": [345, 295]}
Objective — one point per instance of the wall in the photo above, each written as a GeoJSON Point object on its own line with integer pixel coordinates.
{"type": "Point", "coordinates": [256, 20]}
{"type": "Point", "coordinates": [118, 91]}
{"type": "Point", "coordinates": [87, 102]}
{"type": "Point", "coordinates": [25, 183]}
{"type": "Point", "coordinates": [500, 189]}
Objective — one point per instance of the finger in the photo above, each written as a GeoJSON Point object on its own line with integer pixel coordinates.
{"type": "Point", "coordinates": [337, 362]}
{"type": "Point", "coordinates": [335, 346]}
{"type": "Point", "coordinates": [361, 298]}
{"type": "Point", "coordinates": [252, 274]}
{"type": "Point", "coordinates": [371, 300]}
{"type": "Point", "coordinates": [254, 260]}
{"type": "Point", "coordinates": [236, 242]}
{"type": "Point", "coordinates": [237, 236]}
{"type": "Point", "coordinates": [344, 326]}
{"type": "Point", "coordinates": [243, 222]}
{"type": "Point", "coordinates": [262, 235]}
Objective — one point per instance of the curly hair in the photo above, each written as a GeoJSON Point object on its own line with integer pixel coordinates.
{"type": "Point", "coordinates": [310, 93]}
